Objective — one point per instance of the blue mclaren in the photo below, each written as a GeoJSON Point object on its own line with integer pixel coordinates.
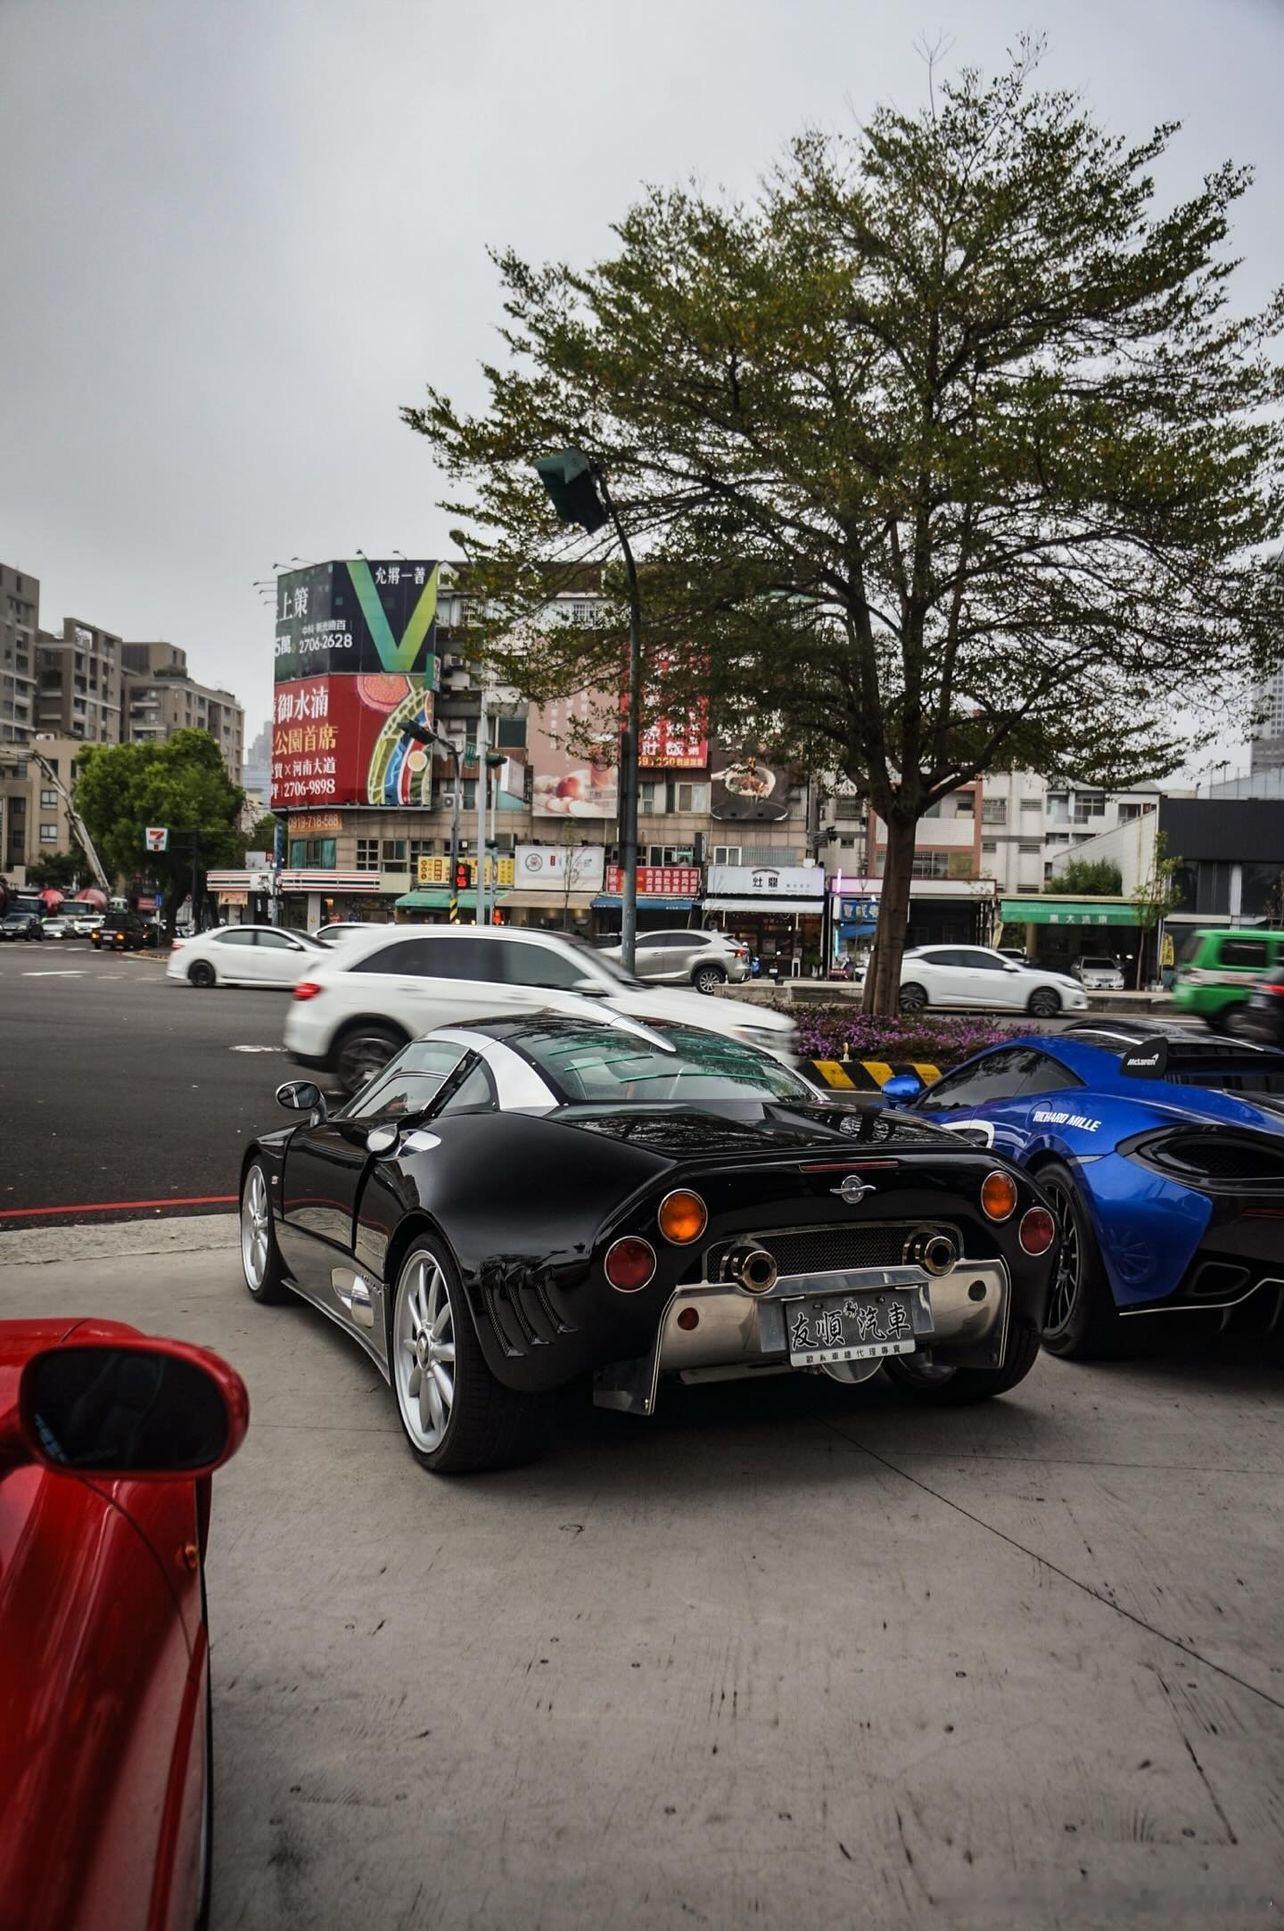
{"type": "Point", "coordinates": [1161, 1153]}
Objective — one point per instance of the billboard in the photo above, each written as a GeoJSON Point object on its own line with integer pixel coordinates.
{"type": "Point", "coordinates": [744, 787]}
{"type": "Point", "coordinates": [675, 741]}
{"type": "Point", "coordinates": [557, 866]}
{"type": "Point", "coordinates": [338, 741]}
{"type": "Point", "coordinates": [571, 748]}
{"type": "Point", "coordinates": [357, 616]}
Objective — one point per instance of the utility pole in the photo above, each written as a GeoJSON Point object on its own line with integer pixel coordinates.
{"type": "Point", "coordinates": [420, 734]}
{"type": "Point", "coordinates": [483, 786]}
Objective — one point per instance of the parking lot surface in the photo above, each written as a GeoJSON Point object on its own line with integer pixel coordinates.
{"type": "Point", "coordinates": [785, 1656]}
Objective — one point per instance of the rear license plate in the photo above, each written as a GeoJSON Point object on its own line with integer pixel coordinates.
{"type": "Point", "coordinates": [850, 1327]}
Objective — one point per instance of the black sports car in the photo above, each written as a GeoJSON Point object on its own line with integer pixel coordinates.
{"type": "Point", "coordinates": [510, 1204]}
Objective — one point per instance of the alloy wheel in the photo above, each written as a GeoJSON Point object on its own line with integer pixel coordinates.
{"type": "Point", "coordinates": [1045, 1004]}
{"type": "Point", "coordinates": [708, 979]}
{"type": "Point", "coordinates": [1063, 1296]}
{"type": "Point", "coordinates": [424, 1351]}
{"type": "Point", "coordinates": [256, 1229]}
{"type": "Point", "coordinates": [361, 1056]}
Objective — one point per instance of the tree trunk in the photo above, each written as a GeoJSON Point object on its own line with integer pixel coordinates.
{"type": "Point", "coordinates": [883, 980]}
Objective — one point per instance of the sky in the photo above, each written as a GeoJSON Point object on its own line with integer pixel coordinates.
{"type": "Point", "coordinates": [237, 235]}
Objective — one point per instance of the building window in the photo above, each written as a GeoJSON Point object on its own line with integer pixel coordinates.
{"type": "Point", "coordinates": [729, 854]}
{"type": "Point", "coordinates": [847, 844]}
{"type": "Point", "coordinates": [926, 864]}
{"type": "Point", "coordinates": [989, 846]}
{"type": "Point", "coordinates": [49, 834]}
{"type": "Point", "coordinates": [1130, 810]}
{"type": "Point", "coordinates": [1029, 850]}
{"type": "Point", "coordinates": [965, 804]}
{"type": "Point", "coordinates": [647, 797]}
{"type": "Point", "coordinates": [312, 854]}
{"type": "Point", "coordinates": [1032, 804]}
{"type": "Point", "coordinates": [669, 855]}
{"type": "Point", "coordinates": [394, 854]}
{"type": "Point", "coordinates": [510, 733]}
{"type": "Point", "coordinates": [994, 811]}
{"type": "Point", "coordinates": [421, 848]}
{"type": "Point", "coordinates": [470, 794]}
{"type": "Point", "coordinates": [367, 854]}
{"type": "Point", "coordinates": [1089, 804]}
{"type": "Point", "coordinates": [48, 797]}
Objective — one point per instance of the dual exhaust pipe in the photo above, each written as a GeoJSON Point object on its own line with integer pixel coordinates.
{"type": "Point", "coordinates": [753, 1267]}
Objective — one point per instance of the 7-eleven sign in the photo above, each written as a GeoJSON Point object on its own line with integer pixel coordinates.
{"type": "Point", "coordinates": [157, 838]}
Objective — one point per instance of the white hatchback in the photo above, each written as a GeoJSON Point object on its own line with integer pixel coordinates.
{"type": "Point", "coordinates": [244, 955]}
{"type": "Point", "coordinates": [974, 977]}
{"type": "Point", "coordinates": [365, 998]}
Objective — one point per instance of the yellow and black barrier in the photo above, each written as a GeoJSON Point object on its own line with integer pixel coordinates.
{"type": "Point", "coordinates": [864, 1075]}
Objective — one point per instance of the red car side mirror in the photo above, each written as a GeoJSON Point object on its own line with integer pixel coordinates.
{"type": "Point", "coordinates": [140, 1410]}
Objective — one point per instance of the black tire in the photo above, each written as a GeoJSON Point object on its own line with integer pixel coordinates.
{"type": "Point", "coordinates": [364, 1049]}
{"type": "Point", "coordinates": [913, 997]}
{"type": "Point", "coordinates": [262, 1267]}
{"type": "Point", "coordinates": [1082, 1321]}
{"type": "Point", "coordinates": [940, 1386]}
{"type": "Point", "coordinates": [1043, 1003]}
{"type": "Point", "coordinates": [202, 975]}
{"type": "Point", "coordinates": [1222, 1021]}
{"type": "Point", "coordinates": [482, 1424]}
{"type": "Point", "coordinates": [707, 978]}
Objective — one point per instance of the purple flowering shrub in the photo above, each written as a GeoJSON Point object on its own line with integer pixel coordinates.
{"type": "Point", "coordinates": [836, 1032]}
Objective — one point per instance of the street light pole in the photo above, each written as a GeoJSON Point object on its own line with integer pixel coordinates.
{"type": "Point", "coordinates": [420, 734]}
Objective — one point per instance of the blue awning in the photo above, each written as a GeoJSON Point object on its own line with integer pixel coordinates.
{"type": "Point", "coordinates": [609, 902]}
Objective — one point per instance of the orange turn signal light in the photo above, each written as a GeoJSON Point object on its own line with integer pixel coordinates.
{"type": "Point", "coordinates": [999, 1195]}
{"type": "Point", "coordinates": [683, 1217]}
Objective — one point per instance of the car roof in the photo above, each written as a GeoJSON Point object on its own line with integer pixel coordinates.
{"type": "Point", "coordinates": [384, 935]}
{"type": "Point", "coordinates": [1094, 1049]}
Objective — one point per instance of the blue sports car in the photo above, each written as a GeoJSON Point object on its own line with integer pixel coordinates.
{"type": "Point", "coordinates": [1162, 1154]}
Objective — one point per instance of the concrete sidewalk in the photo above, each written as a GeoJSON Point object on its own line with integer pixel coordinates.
{"type": "Point", "coordinates": [786, 1656]}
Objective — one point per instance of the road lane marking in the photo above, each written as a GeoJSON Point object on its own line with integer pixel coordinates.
{"type": "Point", "coordinates": [59, 972]}
{"type": "Point", "coordinates": [256, 1049]}
{"type": "Point", "coordinates": [118, 1206]}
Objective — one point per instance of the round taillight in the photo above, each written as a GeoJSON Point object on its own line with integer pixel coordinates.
{"type": "Point", "coordinates": [1037, 1231]}
{"type": "Point", "coordinates": [629, 1263]}
{"type": "Point", "coordinates": [306, 989]}
{"type": "Point", "coordinates": [999, 1195]}
{"type": "Point", "coordinates": [683, 1217]}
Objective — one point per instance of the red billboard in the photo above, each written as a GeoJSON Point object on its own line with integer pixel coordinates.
{"type": "Point", "coordinates": [338, 741]}
{"type": "Point", "coordinates": [658, 881]}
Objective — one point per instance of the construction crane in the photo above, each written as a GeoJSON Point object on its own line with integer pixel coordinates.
{"type": "Point", "coordinates": [74, 819]}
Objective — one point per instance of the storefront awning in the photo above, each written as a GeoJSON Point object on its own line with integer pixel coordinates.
{"type": "Point", "coordinates": [810, 908]}
{"type": "Point", "coordinates": [581, 900]}
{"type": "Point", "coordinates": [437, 899]}
{"type": "Point", "coordinates": [1062, 911]}
{"type": "Point", "coordinates": [611, 902]}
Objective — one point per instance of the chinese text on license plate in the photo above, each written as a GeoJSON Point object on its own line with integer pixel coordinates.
{"type": "Point", "coordinates": [849, 1327]}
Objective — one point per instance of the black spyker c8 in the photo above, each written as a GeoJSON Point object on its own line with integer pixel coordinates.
{"type": "Point", "coordinates": [510, 1204]}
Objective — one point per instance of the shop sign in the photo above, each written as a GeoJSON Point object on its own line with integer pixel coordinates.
{"type": "Point", "coordinates": [315, 824]}
{"type": "Point", "coordinates": [579, 867]}
{"type": "Point", "coordinates": [676, 741]}
{"type": "Point", "coordinates": [658, 881]}
{"type": "Point", "coordinates": [358, 616]}
{"type": "Point", "coordinates": [744, 787]}
{"type": "Point", "coordinates": [436, 871]}
{"type": "Point", "coordinates": [766, 881]}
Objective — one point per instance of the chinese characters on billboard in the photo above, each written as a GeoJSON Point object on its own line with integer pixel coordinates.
{"type": "Point", "coordinates": [355, 663]}
{"type": "Point", "coordinates": [571, 748]}
{"type": "Point", "coordinates": [658, 881]}
{"type": "Point", "coordinates": [676, 740]}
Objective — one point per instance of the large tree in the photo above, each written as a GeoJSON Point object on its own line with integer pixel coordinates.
{"type": "Point", "coordinates": [182, 784]}
{"type": "Point", "coordinates": [947, 452]}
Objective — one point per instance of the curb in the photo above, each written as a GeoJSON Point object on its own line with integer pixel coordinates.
{"type": "Point", "coordinates": [864, 1075]}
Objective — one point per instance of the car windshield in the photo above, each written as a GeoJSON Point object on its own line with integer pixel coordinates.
{"type": "Point", "coordinates": [1098, 965]}
{"type": "Point", "coordinates": [680, 1063]}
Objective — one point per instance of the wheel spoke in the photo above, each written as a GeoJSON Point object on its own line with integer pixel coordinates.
{"type": "Point", "coordinates": [427, 1397]}
{"type": "Point", "coordinates": [442, 1322]}
{"type": "Point", "coordinates": [445, 1351]}
{"type": "Point", "coordinates": [432, 1309]}
{"type": "Point", "coordinates": [435, 1407]}
{"type": "Point", "coordinates": [442, 1378]}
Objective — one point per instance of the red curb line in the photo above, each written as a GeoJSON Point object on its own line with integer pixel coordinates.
{"type": "Point", "coordinates": [118, 1206]}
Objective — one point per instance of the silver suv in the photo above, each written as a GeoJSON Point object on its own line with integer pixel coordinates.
{"type": "Point", "coordinates": [705, 960]}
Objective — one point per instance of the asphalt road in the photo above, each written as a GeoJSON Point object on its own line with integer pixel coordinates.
{"type": "Point", "coordinates": [785, 1656]}
{"type": "Point", "coordinates": [118, 1086]}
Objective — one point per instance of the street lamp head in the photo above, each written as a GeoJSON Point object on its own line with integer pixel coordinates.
{"type": "Point", "coordinates": [419, 732]}
{"type": "Point", "coordinates": [569, 481]}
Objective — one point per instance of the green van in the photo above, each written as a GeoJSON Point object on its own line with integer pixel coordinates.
{"type": "Point", "coordinates": [1219, 968]}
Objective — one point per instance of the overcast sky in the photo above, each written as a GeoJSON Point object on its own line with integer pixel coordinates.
{"type": "Point", "coordinates": [236, 234]}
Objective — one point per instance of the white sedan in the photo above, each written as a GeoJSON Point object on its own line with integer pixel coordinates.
{"type": "Point", "coordinates": [244, 955]}
{"type": "Point", "coordinates": [976, 977]}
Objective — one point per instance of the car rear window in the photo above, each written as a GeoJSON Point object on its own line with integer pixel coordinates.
{"type": "Point", "coordinates": [626, 1069]}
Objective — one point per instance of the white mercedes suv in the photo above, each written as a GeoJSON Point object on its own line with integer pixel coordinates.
{"type": "Point", "coordinates": [359, 1005]}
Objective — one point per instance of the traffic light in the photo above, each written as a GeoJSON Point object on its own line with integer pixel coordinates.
{"type": "Point", "coordinates": [461, 875]}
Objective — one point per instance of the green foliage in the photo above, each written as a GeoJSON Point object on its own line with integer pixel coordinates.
{"type": "Point", "coordinates": [945, 452]}
{"type": "Point", "coordinates": [1158, 892]}
{"type": "Point", "coordinates": [121, 789]}
{"type": "Point", "coordinates": [65, 871]}
{"type": "Point", "coordinates": [261, 836]}
{"type": "Point", "coordinates": [1099, 876]}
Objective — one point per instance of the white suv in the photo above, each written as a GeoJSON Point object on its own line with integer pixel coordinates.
{"type": "Point", "coordinates": [360, 1004]}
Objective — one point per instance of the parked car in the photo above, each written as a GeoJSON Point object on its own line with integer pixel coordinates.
{"type": "Point", "coordinates": [244, 955]}
{"type": "Point", "coordinates": [55, 926]}
{"type": "Point", "coordinates": [21, 925]}
{"type": "Point", "coordinates": [108, 1440]}
{"type": "Point", "coordinates": [978, 976]}
{"type": "Point", "coordinates": [705, 960]}
{"type": "Point", "coordinates": [1162, 1153]}
{"type": "Point", "coordinates": [1017, 954]}
{"type": "Point", "coordinates": [1219, 969]}
{"type": "Point", "coordinates": [516, 1202]}
{"type": "Point", "coordinates": [122, 932]}
{"type": "Point", "coordinates": [1096, 973]}
{"type": "Point", "coordinates": [368, 997]}
{"type": "Point", "coordinates": [1262, 1014]}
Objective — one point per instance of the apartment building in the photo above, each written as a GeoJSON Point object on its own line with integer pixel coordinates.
{"type": "Point", "coordinates": [19, 630]}
{"type": "Point", "coordinates": [33, 816]}
{"type": "Point", "coordinates": [161, 696]}
{"type": "Point", "coordinates": [79, 683]}
{"type": "Point", "coordinates": [1031, 826]}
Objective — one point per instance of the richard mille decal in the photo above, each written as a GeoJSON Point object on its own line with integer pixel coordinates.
{"type": "Point", "coordinates": [1045, 1116]}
